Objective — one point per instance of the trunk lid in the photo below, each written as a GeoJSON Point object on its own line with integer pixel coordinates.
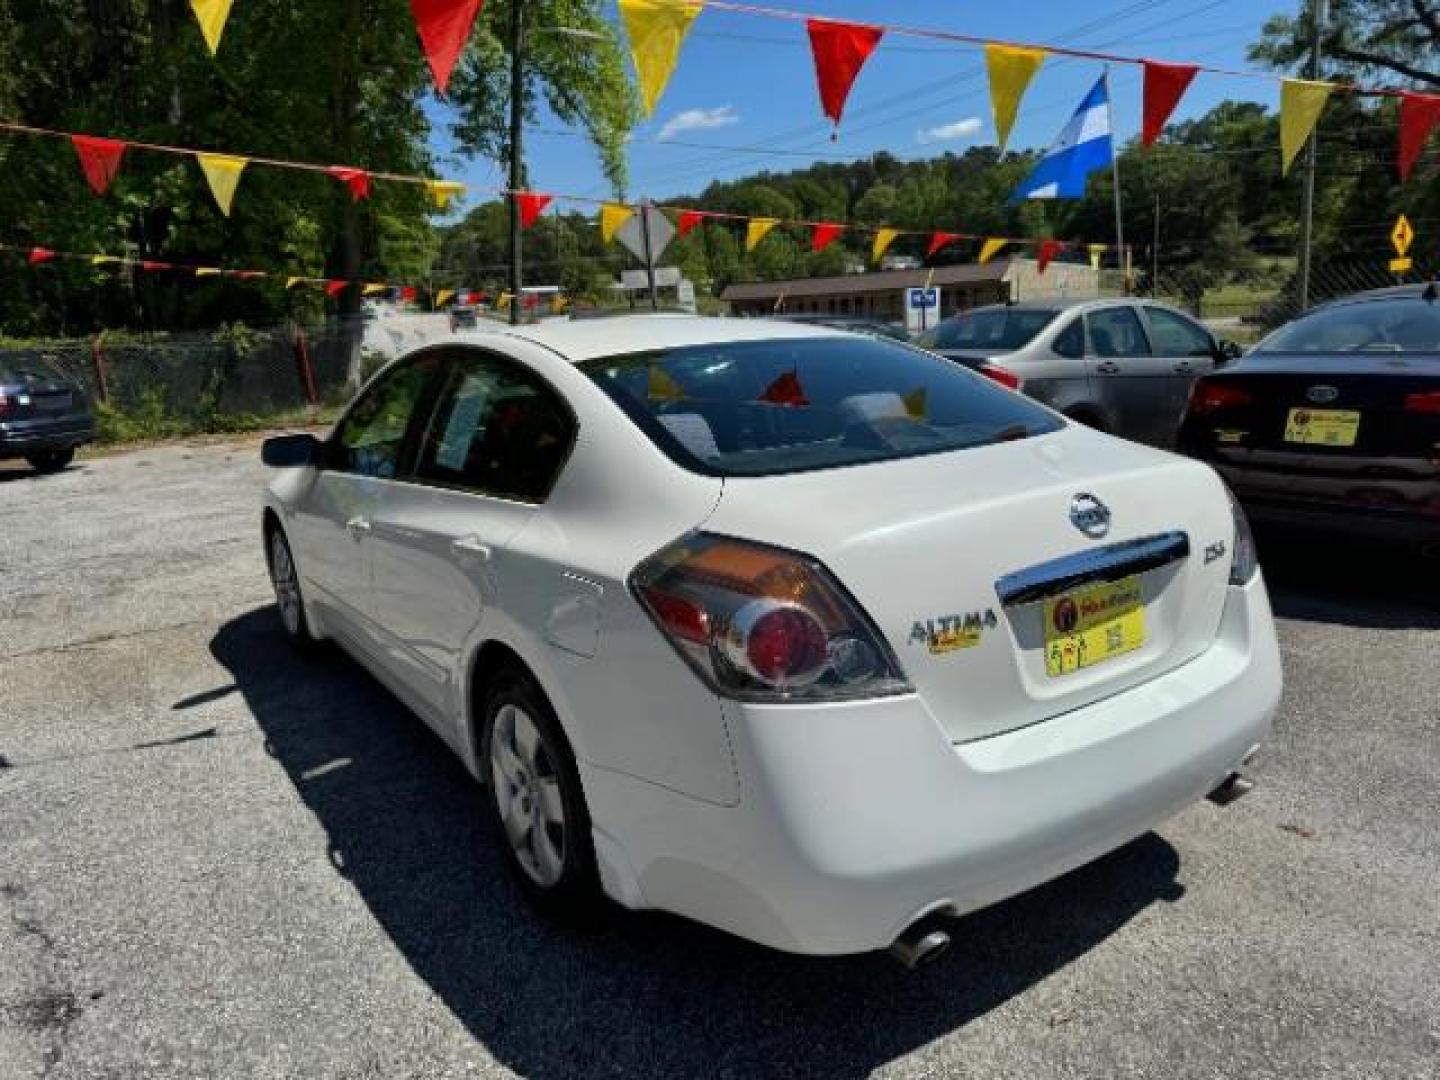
{"type": "Point", "coordinates": [933, 547]}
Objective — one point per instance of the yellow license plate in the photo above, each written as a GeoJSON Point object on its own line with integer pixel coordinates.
{"type": "Point", "coordinates": [1093, 624]}
{"type": "Point", "coordinates": [1322, 427]}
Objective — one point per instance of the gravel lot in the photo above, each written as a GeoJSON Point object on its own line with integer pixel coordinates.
{"type": "Point", "coordinates": [219, 860]}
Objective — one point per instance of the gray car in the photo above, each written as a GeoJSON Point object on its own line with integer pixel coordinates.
{"type": "Point", "coordinates": [1124, 366]}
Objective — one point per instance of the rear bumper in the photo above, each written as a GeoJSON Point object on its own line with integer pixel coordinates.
{"type": "Point", "coordinates": [856, 819]}
{"type": "Point", "coordinates": [28, 437]}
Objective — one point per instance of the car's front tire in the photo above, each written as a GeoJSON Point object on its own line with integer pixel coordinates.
{"type": "Point", "coordinates": [289, 601]}
{"type": "Point", "coordinates": [537, 800]}
{"type": "Point", "coordinates": [51, 461]}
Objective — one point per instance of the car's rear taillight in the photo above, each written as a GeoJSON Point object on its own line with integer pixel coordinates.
{"type": "Point", "coordinates": [764, 624]}
{"type": "Point", "coordinates": [1208, 397]}
{"type": "Point", "coordinates": [1423, 403]}
{"type": "Point", "coordinates": [1003, 376]}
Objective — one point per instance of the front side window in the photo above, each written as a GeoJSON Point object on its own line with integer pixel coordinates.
{"type": "Point", "coordinates": [497, 430]}
{"type": "Point", "coordinates": [1003, 328]}
{"type": "Point", "coordinates": [1402, 324]}
{"type": "Point", "coordinates": [372, 436]}
{"type": "Point", "coordinates": [1177, 336]}
{"type": "Point", "coordinates": [1116, 332]}
{"type": "Point", "coordinates": [762, 408]}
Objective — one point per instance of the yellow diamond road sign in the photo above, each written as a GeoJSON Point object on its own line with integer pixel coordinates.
{"type": "Point", "coordinates": [1402, 236]}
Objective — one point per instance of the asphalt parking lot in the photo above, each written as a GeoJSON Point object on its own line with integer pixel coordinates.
{"type": "Point", "coordinates": [217, 859]}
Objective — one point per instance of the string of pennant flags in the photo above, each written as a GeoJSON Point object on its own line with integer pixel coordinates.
{"type": "Point", "coordinates": [101, 158]}
{"type": "Point", "coordinates": [657, 30]}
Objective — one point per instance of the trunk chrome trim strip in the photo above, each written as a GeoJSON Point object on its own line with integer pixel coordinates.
{"type": "Point", "coordinates": [1109, 563]}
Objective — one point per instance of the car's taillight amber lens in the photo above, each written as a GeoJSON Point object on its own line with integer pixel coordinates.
{"type": "Point", "coordinates": [764, 624]}
{"type": "Point", "coordinates": [1208, 397]}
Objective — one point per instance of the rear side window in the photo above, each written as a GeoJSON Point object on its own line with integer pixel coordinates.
{"type": "Point", "coordinates": [1070, 342]}
{"type": "Point", "coordinates": [497, 430]}
{"type": "Point", "coordinates": [762, 408]}
{"type": "Point", "coordinates": [993, 328]}
{"type": "Point", "coordinates": [1116, 332]}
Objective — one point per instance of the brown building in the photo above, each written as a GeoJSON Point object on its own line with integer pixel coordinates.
{"type": "Point", "coordinates": [881, 295]}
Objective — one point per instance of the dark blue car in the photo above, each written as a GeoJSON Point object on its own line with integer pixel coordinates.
{"type": "Point", "coordinates": [44, 415]}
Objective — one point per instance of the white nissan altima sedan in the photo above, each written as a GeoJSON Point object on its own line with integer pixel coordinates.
{"type": "Point", "coordinates": [809, 636]}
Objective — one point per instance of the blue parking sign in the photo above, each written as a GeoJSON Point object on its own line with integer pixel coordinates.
{"type": "Point", "coordinates": [921, 299]}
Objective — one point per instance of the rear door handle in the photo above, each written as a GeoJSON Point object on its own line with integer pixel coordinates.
{"type": "Point", "coordinates": [1108, 368]}
{"type": "Point", "coordinates": [358, 527]}
{"type": "Point", "coordinates": [471, 545]}
{"type": "Point", "coordinates": [1185, 368]}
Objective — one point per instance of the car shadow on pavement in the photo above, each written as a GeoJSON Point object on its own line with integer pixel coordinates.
{"type": "Point", "coordinates": [639, 994]}
{"type": "Point", "coordinates": [1315, 579]}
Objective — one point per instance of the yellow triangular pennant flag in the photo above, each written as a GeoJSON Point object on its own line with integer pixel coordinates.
{"type": "Point", "coordinates": [503, 301]}
{"type": "Point", "coordinates": [917, 404]}
{"type": "Point", "coordinates": [1011, 69]}
{"type": "Point", "coordinates": [612, 216]}
{"type": "Point", "coordinates": [883, 239]}
{"type": "Point", "coordinates": [291, 282]}
{"type": "Point", "coordinates": [443, 297]}
{"type": "Point", "coordinates": [757, 230]}
{"type": "Point", "coordinates": [656, 29]}
{"type": "Point", "coordinates": [442, 191]}
{"type": "Point", "coordinates": [559, 304]}
{"type": "Point", "coordinates": [991, 248]}
{"type": "Point", "coordinates": [662, 387]}
{"type": "Point", "coordinates": [1301, 104]}
{"type": "Point", "coordinates": [104, 260]}
{"type": "Point", "coordinates": [375, 288]}
{"type": "Point", "coordinates": [1096, 250]}
{"type": "Point", "coordinates": [211, 15]}
{"type": "Point", "coordinates": [207, 271]}
{"type": "Point", "coordinates": [223, 175]}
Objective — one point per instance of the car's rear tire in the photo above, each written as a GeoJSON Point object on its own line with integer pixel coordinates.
{"type": "Point", "coordinates": [289, 600]}
{"type": "Point", "coordinates": [51, 461]}
{"type": "Point", "coordinates": [536, 797]}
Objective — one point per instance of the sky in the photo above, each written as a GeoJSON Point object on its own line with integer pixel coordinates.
{"type": "Point", "coordinates": [746, 85]}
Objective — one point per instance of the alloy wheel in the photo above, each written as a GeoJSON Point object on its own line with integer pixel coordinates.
{"type": "Point", "coordinates": [527, 795]}
{"type": "Point", "coordinates": [287, 588]}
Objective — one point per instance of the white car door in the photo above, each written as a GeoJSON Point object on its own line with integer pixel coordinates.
{"type": "Point", "coordinates": [494, 445]}
{"type": "Point", "coordinates": [332, 525]}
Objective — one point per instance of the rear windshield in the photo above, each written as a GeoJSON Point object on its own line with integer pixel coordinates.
{"type": "Point", "coordinates": [1405, 324]}
{"type": "Point", "coordinates": [993, 328]}
{"type": "Point", "coordinates": [761, 408]}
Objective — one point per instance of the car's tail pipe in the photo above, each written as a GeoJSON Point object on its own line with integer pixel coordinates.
{"type": "Point", "coordinates": [921, 944]}
{"type": "Point", "coordinates": [1233, 787]}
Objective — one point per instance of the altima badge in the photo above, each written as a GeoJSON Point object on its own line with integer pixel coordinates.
{"type": "Point", "coordinates": [950, 633]}
{"type": "Point", "coordinates": [1090, 515]}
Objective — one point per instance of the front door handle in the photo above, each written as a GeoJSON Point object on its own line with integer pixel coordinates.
{"type": "Point", "coordinates": [471, 545]}
{"type": "Point", "coordinates": [1108, 368]}
{"type": "Point", "coordinates": [1185, 368]}
{"type": "Point", "coordinates": [358, 526]}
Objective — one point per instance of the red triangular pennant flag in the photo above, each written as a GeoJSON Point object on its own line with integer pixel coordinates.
{"type": "Point", "coordinates": [530, 302]}
{"type": "Point", "coordinates": [444, 27]}
{"type": "Point", "coordinates": [39, 255]}
{"type": "Point", "coordinates": [841, 50]}
{"type": "Point", "coordinates": [408, 294]}
{"type": "Point", "coordinates": [1165, 85]}
{"type": "Point", "coordinates": [248, 275]}
{"type": "Point", "coordinates": [823, 234]}
{"type": "Point", "coordinates": [787, 391]}
{"type": "Point", "coordinates": [1048, 250]}
{"type": "Point", "coordinates": [940, 240]}
{"type": "Point", "coordinates": [357, 180]}
{"type": "Point", "coordinates": [100, 158]}
{"type": "Point", "coordinates": [334, 287]}
{"type": "Point", "coordinates": [153, 266]}
{"type": "Point", "coordinates": [532, 205]}
{"type": "Point", "coordinates": [688, 220]}
{"type": "Point", "coordinates": [1419, 114]}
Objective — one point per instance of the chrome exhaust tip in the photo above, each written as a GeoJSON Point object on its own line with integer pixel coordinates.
{"type": "Point", "coordinates": [1233, 787]}
{"type": "Point", "coordinates": [919, 946]}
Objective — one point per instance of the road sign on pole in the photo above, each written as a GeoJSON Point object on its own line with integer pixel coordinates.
{"type": "Point", "coordinates": [1402, 236]}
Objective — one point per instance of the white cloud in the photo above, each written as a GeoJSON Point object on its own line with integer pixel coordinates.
{"type": "Point", "coordinates": [699, 120]}
{"type": "Point", "coordinates": [960, 129]}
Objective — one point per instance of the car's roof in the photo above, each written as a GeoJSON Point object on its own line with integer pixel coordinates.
{"type": "Point", "coordinates": [1393, 292]}
{"type": "Point", "coordinates": [591, 339]}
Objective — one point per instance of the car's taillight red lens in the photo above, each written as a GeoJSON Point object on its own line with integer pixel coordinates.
{"type": "Point", "coordinates": [1212, 397]}
{"type": "Point", "coordinates": [1423, 403]}
{"type": "Point", "coordinates": [762, 623]}
{"type": "Point", "coordinates": [1005, 378]}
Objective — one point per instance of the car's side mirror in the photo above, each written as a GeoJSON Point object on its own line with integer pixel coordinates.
{"type": "Point", "coordinates": [292, 451]}
{"type": "Point", "coordinates": [1227, 351]}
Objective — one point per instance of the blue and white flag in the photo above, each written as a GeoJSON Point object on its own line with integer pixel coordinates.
{"type": "Point", "coordinates": [1081, 148]}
